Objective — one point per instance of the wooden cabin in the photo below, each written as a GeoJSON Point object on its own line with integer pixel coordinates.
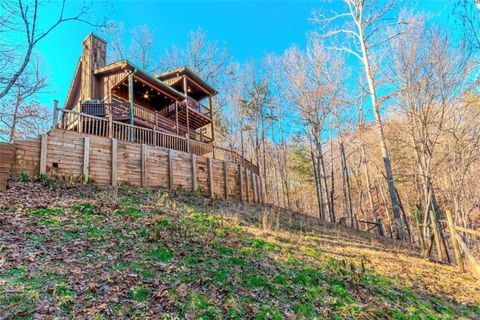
{"type": "Point", "coordinates": [177, 102]}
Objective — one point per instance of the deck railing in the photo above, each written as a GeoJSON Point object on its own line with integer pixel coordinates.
{"type": "Point", "coordinates": [197, 106]}
{"type": "Point", "coordinates": [192, 105]}
{"type": "Point", "coordinates": [107, 127]}
{"type": "Point", "coordinates": [121, 110]}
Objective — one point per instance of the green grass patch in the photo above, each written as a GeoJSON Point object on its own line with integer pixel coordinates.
{"type": "Point", "coordinates": [140, 294]}
{"type": "Point", "coordinates": [85, 208]}
{"type": "Point", "coordinates": [162, 254]}
{"type": "Point", "coordinates": [130, 211]}
{"type": "Point", "coordinates": [46, 212]}
{"type": "Point", "coordinates": [306, 310]}
{"type": "Point", "coordinates": [256, 281]}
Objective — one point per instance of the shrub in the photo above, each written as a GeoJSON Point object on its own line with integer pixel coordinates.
{"type": "Point", "coordinates": [86, 179]}
{"type": "Point", "coordinates": [44, 178]}
{"type": "Point", "coordinates": [24, 177]}
{"type": "Point", "coordinates": [63, 294]}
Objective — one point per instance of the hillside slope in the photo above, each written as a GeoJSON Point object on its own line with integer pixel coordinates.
{"type": "Point", "coordinates": [83, 251]}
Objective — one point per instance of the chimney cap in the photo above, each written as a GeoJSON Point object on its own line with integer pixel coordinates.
{"type": "Point", "coordinates": [91, 34]}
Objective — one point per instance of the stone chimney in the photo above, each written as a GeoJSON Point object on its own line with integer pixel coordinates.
{"type": "Point", "coordinates": [93, 57]}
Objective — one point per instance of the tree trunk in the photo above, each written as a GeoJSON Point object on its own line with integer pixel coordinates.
{"type": "Point", "coordinates": [367, 179]}
{"type": "Point", "coordinates": [383, 144]}
{"type": "Point", "coordinates": [241, 142]}
{"type": "Point", "coordinates": [321, 212]}
{"type": "Point", "coordinates": [322, 174]}
{"type": "Point", "coordinates": [13, 128]}
{"type": "Point", "coordinates": [332, 177]}
{"type": "Point", "coordinates": [346, 185]}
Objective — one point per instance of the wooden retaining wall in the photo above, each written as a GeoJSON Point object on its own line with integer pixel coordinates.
{"type": "Point", "coordinates": [112, 162]}
{"type": "Point", "coordinates": [7, 153]}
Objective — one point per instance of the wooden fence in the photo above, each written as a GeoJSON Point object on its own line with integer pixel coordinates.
{"type": "Point", "coordinates": [446, 237]}
{"type": "Point", "coordinates": [7, 152]}
{"type": "Point", "coordinates": [463, 256]}
{"type": "Point", "coordinates": [106, 127]}
{"type": "Point", "coordinates": [111, 161]}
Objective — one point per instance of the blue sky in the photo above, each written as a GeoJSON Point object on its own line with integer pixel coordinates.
{"type": "Point", "coordinates": [248, 28]}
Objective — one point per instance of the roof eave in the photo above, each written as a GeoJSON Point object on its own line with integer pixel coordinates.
{"type": "Point", "coordinates": [127, 65]}
{"type": "Point", "coordinates": [185, 70]}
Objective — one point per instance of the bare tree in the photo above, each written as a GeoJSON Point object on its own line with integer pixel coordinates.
{"type": "Point", "coordinates": [280, 110]}
{"type": "Point", "coordinates": [24, 17]}
{"type": "Point", "coordinates": [211, 61]}
{"type": "Point", "coordinates": [468, 14]}
{"type": "Point", "coordinates": [138, 49]}
{"type": "Point", "coordinates": [430, 73]}
{"type": "Point", "coordinates": [313, 84]}
{"type": "Point", "coordinates": [21, 115]}
{"type": "Point", "coordinates": [364, 32]}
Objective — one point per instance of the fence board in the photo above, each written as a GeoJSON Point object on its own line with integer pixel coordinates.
{"type": "Point", "coordinates": [112, 161]}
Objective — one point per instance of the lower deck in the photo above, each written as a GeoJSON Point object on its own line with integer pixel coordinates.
{"type": "Point", "coordinates": [167, 121]}
{"type": "Point", "coordinates": [113, 125]}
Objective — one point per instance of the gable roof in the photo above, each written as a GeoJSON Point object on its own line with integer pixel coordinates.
{"type": "Point", "coordinates": [173, 76]}
{"type": "Point", "coordinates": [74, 85]}
{"type": "Point", "coordinates": [127, 65]}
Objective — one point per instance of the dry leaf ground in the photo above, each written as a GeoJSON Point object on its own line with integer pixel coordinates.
{"type": "Point", "coordinates": [84, 251]}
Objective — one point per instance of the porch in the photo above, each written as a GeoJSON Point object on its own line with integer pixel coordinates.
{"type": "Point", "coordinates": [133, 96]}
{"type": "Point", "coordinates": [171, 119]}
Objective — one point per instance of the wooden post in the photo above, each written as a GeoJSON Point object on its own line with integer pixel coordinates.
{"type": "Point", "coordinates": [185, 92]}
{"type": "Point", "coordinates": [264, 191]}
{"type": "Point", "coordinates": [419, 230]}
{"type": "Point", "coordinates": [86, 157]}
{"type": "Point", "coordinates": [225, 178]}
{"type": "Point", "coordinates": [247, 191]}
{"type": "Point", "coordinates": [176, 116]}
{"type": "Point", "coordinates": [436, 231]}
{"type": "Point", "coordinates": [380, 229]}
{"type": "Point", "coordinates": [43, 154]}
{"type": "Point", "coordinates": [170, 169]}
{"type": "Point", "coordinates": [144, 165]}
{"type": "Point", "coordinates": [188, 122]}
{"type": "Point", "coordinates": [210, 177]}
{"type": "Point", "coordinates": [456, 247]}
{"type": "Point", "coordinates": [194, 172]}
{"type": "Point", "coordinates": [211, 117]}
{"type": "Point", "coordinates": [260, 189]}
{"type": "Point", "coordinates": [132, 112]}
{"type": "Point", "coordinates": [257, 189]}
{"type": "Point", "coordinates": [110, 125]}
{"type": "Point", "coordinates": [114, 162]}
{"type": "Point", "coordinates": [55, 113]}
{"type": "Point", "coordinates": [188, 143]}
{"type": "Point", "coordinates": [472, 263]}
{"type": "Point", "coordinates": [240, 182]}
{"type": "Point", "coordinates": [154, 135]}
{"type": "Point", "coordinates": [260, 186]}
{"type": "Point", "coordinates": [80, 123]}
{"type": "Point", "coordinates": [254, 187]}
